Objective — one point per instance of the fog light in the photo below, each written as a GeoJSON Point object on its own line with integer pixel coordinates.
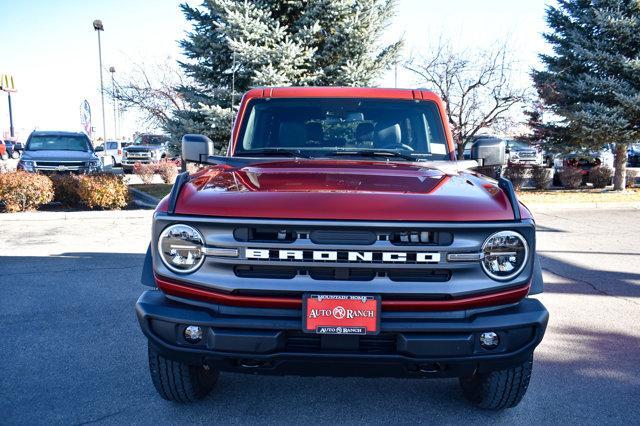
{"type": "Point", "coordinates": [193, 334]}
{"type": "Point", "coordinates": [489, 340]}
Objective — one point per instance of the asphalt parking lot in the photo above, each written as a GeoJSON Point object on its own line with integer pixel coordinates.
{"type": "Point", "coordinates": [72, 352]}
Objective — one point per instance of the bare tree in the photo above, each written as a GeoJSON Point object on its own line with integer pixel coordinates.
{"type": "Point", "coordinates": [477, 89]}
{"type": "Point", "coordinates": [151, 90]}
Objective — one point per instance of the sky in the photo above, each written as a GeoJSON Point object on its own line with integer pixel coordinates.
{"type": "Point", "coordinates": [51, 49]}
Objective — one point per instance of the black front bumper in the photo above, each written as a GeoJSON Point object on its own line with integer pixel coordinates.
{"type": "Point", "coordinates": [270, 341]}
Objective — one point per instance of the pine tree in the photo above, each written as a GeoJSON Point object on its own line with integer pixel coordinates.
{"type": "Point", "coordinates": [592, 81]}
{"type": "Point", "coordinates": [238, 44]}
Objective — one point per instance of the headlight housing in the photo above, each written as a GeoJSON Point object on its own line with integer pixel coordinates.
{"type": "Point", "coordinates": [181, 248]}
{"type": "Point", "coordinates": [95, 164]}
{"type": "Point", "coordinates": [27, 165]}
{"type": "Point", "coordinates": [505, 255]}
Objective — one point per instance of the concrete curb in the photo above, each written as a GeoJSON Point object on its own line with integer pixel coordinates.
{"type": "Point", "coordinates": [100, 214]}
{"type": "Point", "coordinates": [146, 199]}
{"type": "Point", "coordinates": [542, 207]}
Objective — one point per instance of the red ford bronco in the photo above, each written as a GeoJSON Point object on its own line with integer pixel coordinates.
{"type": "Point", "coordinates": [339, 236]}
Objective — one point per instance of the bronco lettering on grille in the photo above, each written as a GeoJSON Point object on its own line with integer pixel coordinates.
{"type": "Point", "coordinates": [342, 256]}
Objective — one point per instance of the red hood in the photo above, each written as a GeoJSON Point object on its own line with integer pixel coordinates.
{"type": "Point", "coordinates": [341, 190]}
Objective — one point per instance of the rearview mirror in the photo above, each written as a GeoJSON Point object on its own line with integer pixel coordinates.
{"type": "Point", "coordinates": [489, 152]}
{"type": "Point", "coordinates": [196, 148]}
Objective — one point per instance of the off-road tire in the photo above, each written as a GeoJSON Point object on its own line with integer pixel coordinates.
{"type": "Point", "coordinates": [499, 389]}
{"type": "Point", "coordinates": [176, 381]}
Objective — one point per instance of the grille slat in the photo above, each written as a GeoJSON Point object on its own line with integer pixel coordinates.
{"type": "Point", "coordinates": [60, 163]}
{"type": "Point", "coordinates": [307, 342]}
{"type": "Point", "coordinates": [343, 274]}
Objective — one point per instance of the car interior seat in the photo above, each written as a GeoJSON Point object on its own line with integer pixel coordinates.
{"type": "Point", "coordinates": [292, 134]}
{"type": "Point", "coordinates": [386, 135]}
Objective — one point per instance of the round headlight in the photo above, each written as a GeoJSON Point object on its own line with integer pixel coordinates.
{"type": "Point", "coordinates": [180, 247]}
{"type": "Point", "coordinates": [505, 255]}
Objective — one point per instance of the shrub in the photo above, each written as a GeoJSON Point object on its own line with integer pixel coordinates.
{"type": "Point", "coordinates": [167, 170]}
{"type": "Point", "coordinates": [66, 189]}
{"type": "Point", "coordinates": [631, 178]}
{"type": "Point", "coordinates": [600, 176]}
{"type": "Point", "coordinates": [104, 191]}
{"type": "Point", "coordinates": [541, 177]}
{"type": "Point", "coordinates": [145, 171]}
{"type": "Point", "coordinates": [21, 191]}
{"type": "Point", "coordinates": [193, 168]}
{"type": "Point", "coordinates": [516, 173]}
{"type": "Point", "coordinates": [571, 177]}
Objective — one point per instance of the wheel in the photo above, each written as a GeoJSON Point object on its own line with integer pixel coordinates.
{"type": "Point", "coordinates": [113, 161]}
{"type": "Point", "coordinates": [176, 381]}
{"type": "Point", "coordinates": [548, 162]}
{"type": "Point", "coordinates": [15, 155]}
{"type": "Point", "coordinates": [499, 389]}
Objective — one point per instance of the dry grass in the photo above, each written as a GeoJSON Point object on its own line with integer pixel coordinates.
{"type": "Point", "coordinates": [579, 196]}
{"type": "Point", "coordinates": [158, 190]}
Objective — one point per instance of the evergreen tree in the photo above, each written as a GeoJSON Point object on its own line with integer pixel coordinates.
{"type": "Point", "coordinates": [238, 44]}
{"type": "Point", "coordinates": [592, 81]}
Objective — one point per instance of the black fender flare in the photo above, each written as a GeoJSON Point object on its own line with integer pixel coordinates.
{"type": "Point", "coordinates": [537, 284]}
{"type": "Point", "coordinates": [147, 277]}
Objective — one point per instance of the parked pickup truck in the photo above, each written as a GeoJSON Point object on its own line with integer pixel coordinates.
{"type": "Point", "coordinates": [340, 237]}
{"type": "Point", "coordinates": [145, 149]}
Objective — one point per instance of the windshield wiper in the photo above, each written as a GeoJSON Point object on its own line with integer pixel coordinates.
{"type": "Point", "coordinates": [375, 153]}
{"type": "Point", "coordinates": [273, 151]}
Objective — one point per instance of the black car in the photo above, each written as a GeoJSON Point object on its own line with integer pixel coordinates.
{"type": "Point", "coordinates": [13, 148]}
{"type": "Point", "coordinates": [59, 152]}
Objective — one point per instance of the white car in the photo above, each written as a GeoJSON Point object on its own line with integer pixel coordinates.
{"type": "Point", "coordinates": [114, 149]}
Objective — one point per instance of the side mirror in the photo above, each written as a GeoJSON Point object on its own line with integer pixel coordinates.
{"type": "Point", "coordinates": [489, 152]}
{"type": "Point", "coordinates": [196, 148]}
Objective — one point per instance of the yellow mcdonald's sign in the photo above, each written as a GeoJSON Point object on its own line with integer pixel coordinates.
{"type": "Point", "coordinates": [7, 83]}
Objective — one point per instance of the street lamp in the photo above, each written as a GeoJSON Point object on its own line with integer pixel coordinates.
{"type": "Point", "coordinates": [112, 70]}
{"type": "Point", "coordinates": [97, 25]}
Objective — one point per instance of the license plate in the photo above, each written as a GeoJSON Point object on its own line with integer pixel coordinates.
{"type": "Point", "coordinates": [341, 314]}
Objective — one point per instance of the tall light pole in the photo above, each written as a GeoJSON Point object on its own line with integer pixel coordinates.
{"type": "Point", "coordinates": [97, 25]}
{"type": "Point", "coordinates": [112, 70]}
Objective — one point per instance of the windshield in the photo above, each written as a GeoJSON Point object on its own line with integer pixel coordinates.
{"type": "Point", "coordinates": [326, 126]}
{"type": "Point", "coordinates": [513, 144]}
{"type": "Point", "coordinates": [58, 143]}
{"type": "Point", "coordinates": [151, 140]}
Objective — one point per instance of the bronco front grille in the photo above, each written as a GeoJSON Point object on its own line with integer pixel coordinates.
{"type": "Point", "coordinates": [299, 256]}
